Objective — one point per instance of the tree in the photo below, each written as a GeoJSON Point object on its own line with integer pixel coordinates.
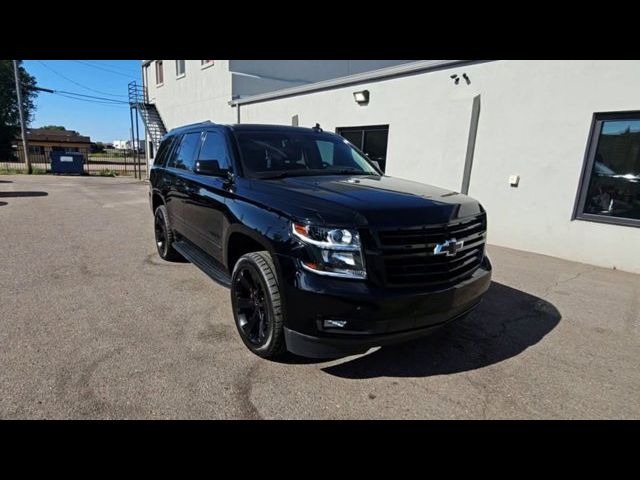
{"type": "Point", "coordinates": [53, 127]}
{"type": "Point", "coordinates": [9, 114]}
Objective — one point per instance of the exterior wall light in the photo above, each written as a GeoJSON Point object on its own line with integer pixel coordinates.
{"type": "Point", "coordinates": [362, 98]}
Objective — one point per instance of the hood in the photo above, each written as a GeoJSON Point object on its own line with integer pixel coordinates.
{"type": "Point", "coordinates": [364, 200]}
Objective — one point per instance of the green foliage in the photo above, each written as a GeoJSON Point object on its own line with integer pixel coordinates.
{"type": "Point", "coordinates": [9, 114]}
{"type": "Point", "coordinates": [18, 171]}
{"type": "Point", "coordinates": [53, 127]}
{"type": "Point", "coordinates": [106, 172]}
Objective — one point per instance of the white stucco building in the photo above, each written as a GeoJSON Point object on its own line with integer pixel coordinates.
{"type": "Point", "coordinates": [550, 148]}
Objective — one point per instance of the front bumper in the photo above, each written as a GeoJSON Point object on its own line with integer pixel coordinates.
{"type": "Point", "coordinates": [374, 315]}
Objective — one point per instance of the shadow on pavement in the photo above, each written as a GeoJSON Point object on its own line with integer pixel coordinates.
{"type": "Point", "coordinates": [2, 204]}
{"type": "Point", "coordinates": [6, 181]}
{"type": "Point", "coordinates": [506, 323]}
{"type": "Point", "coordinates": [23, 194]}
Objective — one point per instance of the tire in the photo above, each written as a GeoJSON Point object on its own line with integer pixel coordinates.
{"type": "Point", "coordinates": [164, 236]}
{"type": "Point", "coordinates": [255, 289]}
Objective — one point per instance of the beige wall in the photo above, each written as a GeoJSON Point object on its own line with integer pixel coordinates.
{"type": "Point", "coordinates": [534, 122]}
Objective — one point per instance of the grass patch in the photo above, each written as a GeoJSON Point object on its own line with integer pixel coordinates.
{"type": "Point", "coordinates": [10, 171]}
{"type": "Point", "coordinates": [19, 171]}
{"type": "Point", "coordinates": [107, 172]}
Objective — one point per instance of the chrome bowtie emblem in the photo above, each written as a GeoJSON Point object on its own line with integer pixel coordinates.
{"type": "Point", "coordinates": [448, 248]}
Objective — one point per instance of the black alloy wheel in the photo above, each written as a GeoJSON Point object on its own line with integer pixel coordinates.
{"type": "Point", "coordinates": [253, 315]}
{"type": "Point", "coordinates": [257, 307]}
{"type": "Point", "coordinates": [164, 236]}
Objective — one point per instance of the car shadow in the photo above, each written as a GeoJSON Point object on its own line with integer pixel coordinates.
{"type": "Point", "coordinates": [506, 323]}
{"type": "Point", "coordinates": [23, 194]}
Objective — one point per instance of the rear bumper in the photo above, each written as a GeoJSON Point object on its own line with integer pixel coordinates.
{"type": "Point", "coordinates": [374, 316]}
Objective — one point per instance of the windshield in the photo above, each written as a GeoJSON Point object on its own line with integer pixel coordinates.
{"type": "Point", "coordinates": [278, 154]}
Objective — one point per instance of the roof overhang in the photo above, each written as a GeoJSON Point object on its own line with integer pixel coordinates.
{"type": "Point", "coordinates": [380, 74]}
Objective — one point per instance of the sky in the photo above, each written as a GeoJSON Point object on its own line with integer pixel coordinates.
{"type": "Point", "coordinates": [613, 127]}
{"type": "Point", "coordinates": [107, 79]}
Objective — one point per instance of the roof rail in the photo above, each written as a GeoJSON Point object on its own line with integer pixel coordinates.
{"type": "Point", "coordinates": [196, 124]}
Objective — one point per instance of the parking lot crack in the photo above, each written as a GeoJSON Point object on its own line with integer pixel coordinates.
{"type": "Point", "coordinates": [243, 390]}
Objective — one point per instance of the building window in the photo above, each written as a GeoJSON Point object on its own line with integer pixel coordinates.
{"type": "Point", "coordinates": [36, 149]}
{"type": "Point", "coordinates": [206, 63]}
{"type": "Point", "coordinates": [180, 68]}
{"type": "Point", "coordinates": [159, 73]}
{"type": "Point", "coordinates": [370, 140]}
{"type": "Point", "coordinates": [610, 186]}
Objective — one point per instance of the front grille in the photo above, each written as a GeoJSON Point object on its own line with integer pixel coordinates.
{"type": "Point", "coordinates": [409, 259]}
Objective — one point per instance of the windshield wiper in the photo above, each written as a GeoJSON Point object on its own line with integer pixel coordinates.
{"type": "Point", "coordinates": [270, 176]}
{"type": "Point", "coordinates": [344, 171]}
{"type": "Point", "coordinates": [310, 173]}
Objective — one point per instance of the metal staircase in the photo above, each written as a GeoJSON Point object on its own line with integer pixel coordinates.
{"type": "Point", "coordinates": [139, 100]}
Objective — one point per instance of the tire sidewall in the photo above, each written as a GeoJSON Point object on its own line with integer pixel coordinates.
{"type": "Point", "coordinates": [246, 263]}
{"type": "Point", "coordinates": [165, 248]}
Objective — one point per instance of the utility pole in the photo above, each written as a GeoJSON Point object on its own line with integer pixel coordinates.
{"type": "Point", "coordinates": [22, 125]}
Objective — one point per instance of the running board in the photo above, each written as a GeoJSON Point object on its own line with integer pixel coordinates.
{"type": "Point", "coordinates": [203, 261]}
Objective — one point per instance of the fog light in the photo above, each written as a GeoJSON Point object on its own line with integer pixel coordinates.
{"type": "Point", "coordinates": [334, 323]}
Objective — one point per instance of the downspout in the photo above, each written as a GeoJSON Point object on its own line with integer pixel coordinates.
{"type": "Point", "coordinates": [471, 145]}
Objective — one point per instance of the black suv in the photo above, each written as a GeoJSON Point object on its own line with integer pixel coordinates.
{"type": "Point", "coordinates": [325, 256]}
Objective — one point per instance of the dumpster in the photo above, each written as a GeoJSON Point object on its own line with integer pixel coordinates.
{"type": "Point", "coordinates": [67, 162]}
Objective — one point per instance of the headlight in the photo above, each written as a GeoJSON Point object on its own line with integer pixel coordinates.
{"type": "Point", "coordinates": [334, 251]}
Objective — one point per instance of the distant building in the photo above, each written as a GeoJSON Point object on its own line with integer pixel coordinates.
{"type": "Point", "coordinates": [126, 144]}
{"type": "Point", "coordinates": [42, 141]}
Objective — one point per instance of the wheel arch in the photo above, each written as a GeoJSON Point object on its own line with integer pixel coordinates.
{"type": "Point", "coordinates": [241, 240]}
{"type": "Point", "coordinates": [156, 200]}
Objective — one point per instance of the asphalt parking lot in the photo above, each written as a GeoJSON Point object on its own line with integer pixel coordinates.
{"type": "Point", "coordinates": [93, 324]}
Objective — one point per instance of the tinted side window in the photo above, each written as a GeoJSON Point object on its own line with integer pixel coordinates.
{"type": "Point", "coordinates": [214, 148]}
{"type": "Point", "coordinates": [171, 151]}
{"type": "Point", "coordinates": [164, 149]}
{"type": "Point", "coordinates": [184, 156]}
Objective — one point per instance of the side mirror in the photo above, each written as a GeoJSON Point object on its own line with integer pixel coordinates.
{"type": "Point", "coordinates": [210, 167]}
{"type": "Point", "coordinates": [375, 164]}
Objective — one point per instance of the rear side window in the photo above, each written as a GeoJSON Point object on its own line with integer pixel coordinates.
{"type": "Point", "coordinates": [214, 148]}
{"type": "Point", "coordinates": [184, 156]}
{"type": "Point", "coordinates": [163, 151]}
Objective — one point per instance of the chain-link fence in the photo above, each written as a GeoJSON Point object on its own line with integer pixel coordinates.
{"type": "Point", "coordinates": [110, 162]}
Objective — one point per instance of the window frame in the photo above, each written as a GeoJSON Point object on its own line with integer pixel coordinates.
{"type": "Point", "coordinates": [161, 70]}
{"type": "Point", "coordinates": [206, 64]}
{"type": "Point", "coordinates": [365, 129]}
{"type": "Point", "coordinates": [184, 69]}
{"type": "Point", "coordinates": [597, 120]}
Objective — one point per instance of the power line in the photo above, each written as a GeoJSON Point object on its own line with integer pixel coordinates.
{"type": "Point", "coordinates": [117, 67]}
{"type": "Point", "coordinates": [85, 98]}
{"type": "Point", "coordinates": [79, 84]}
{"type": "Point", "coordinates": [92, 96]}
{"type": "Point", "coordinates": [105, 69]}
{"type": "Point", "coordinates": [108, 104]}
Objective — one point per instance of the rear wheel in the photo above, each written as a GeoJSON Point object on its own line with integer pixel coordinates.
{"type": "Point", "coordinates": [164, 235]}
{"type": "Point", "coordinates": [257, 307]}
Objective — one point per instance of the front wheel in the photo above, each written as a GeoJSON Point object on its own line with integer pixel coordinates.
{"type": "Point", "coordinates": [257, 306]}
